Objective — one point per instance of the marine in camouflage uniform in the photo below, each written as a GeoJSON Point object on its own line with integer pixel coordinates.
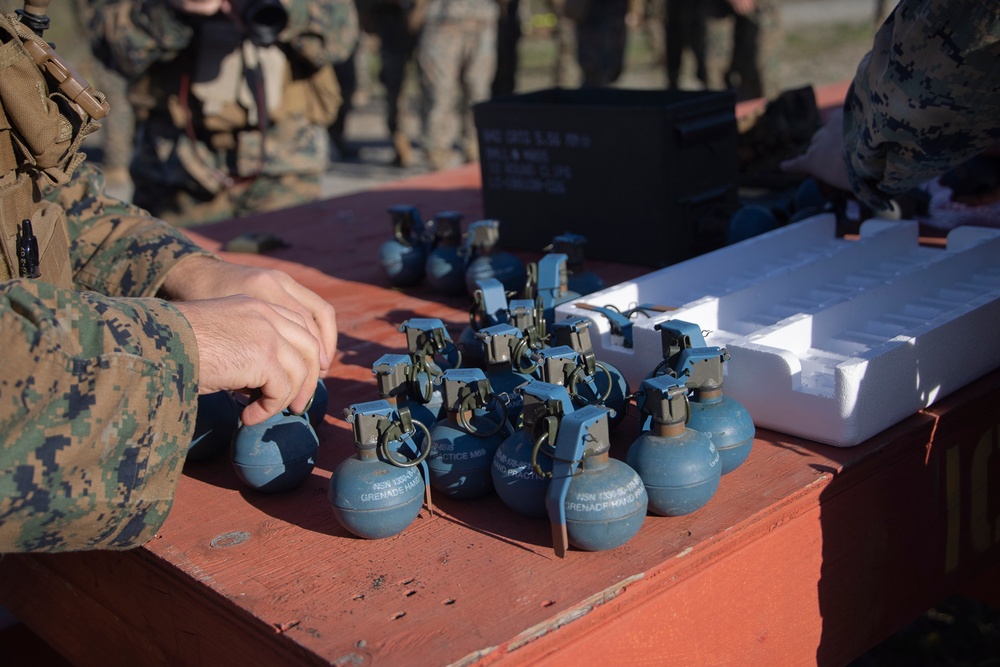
{"type": "Point", "coordinates": [925, 99]}
{"type": "Point", "coordinates": [456, 59]}
{"type": "Point", "coordinates": [741, 48]}
{"type": "Point", "coordinates": [99, 379]}
{"type": "Point", "coordinates": [224, 126]}
{"type": "Point", "coordinates": [397, 25]}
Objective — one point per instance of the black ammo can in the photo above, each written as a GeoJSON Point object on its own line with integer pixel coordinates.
{"type": "Point", "coordinates": [648, 176]}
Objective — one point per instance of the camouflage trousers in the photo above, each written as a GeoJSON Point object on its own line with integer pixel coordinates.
{"type": "Point", "coordinates": [456, 61]}
{"type": "Point", "coordinates": [741, 50]}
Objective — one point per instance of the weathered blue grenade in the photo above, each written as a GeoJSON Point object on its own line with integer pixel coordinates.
{"type": "Point", "coordinates": [605, 384]}
{"type": "Point", "coordinates": [489, 307]}
{"type": "Point", "coordinates": [431, 351]}
{"type": "Point", "coordinates": [378, 491]}
{"type": "Point", "coordinates": [393, 379]}
{"type": "Point", "coordinates": [579, 278]}
{"type": "Point", "coordinates": [504, 348]}
{"type": "Point", "coordinates": [214, 428]}
{"type": "Point", "coordinates": [547, 282]}
{"type": "Point", "coordinates": [276, 455]}
{"type": "Point", "coordinates": [679, 466]}
{"type": "Point", "coordinates": [594, 502]}
{"type": "Point", "coordinates": [515, 479]}
{"type": "Point", "coordinates": [485, 261]}
{"type": "Point", "coordinates": [464, 443]}
{"type": "Point", "coordinates": [722, 417]}
{"type": "Point", "coordinates": [446, 261]}
{"type": "Point", "coordinates": [404, 255]}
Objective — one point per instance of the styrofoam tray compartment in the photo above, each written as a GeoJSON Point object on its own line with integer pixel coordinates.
{"type": "Point", "coordinates": [831, 339]}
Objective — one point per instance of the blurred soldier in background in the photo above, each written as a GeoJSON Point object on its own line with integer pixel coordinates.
{"type": "Point", "coordinates": [233, 99]}
{"type": "Point", "coordinates": [397, 25]}
{"type": "Point", "coordinates": [742, 36]}
{"type": "Point", "coordinates": [456, 58]}
{"type": "Point", "coordinates": [685, 28]}
{"type": "Point", "coordinates": [601, 35]}
{"type": "Point", "coordinates": [508, 35]}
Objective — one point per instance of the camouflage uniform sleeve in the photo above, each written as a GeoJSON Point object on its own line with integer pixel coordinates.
{"type": "Point", "coordinates": [116, 248]}
{"type": "Point", "coordinates": [97, 407]}
{"type": "Point", "coordinates": [129, 36]}
{"type": "Point", "coordinates": [322, 31]}
{"type": "Point", "coordinates": [925, 99]}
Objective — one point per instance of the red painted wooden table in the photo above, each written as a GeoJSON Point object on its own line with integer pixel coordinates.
{"type": "Point", "coordinates": [807, 554]}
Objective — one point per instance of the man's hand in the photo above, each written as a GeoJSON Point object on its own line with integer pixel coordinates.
{"type": "Point", "coordinates": [824, 159]}
{"type": "Point", "coordinates": [209, 278]}
{"type": "Point", "coordinates": [247, 343]}
{"type": "Point", "coordinates": [201, 7]}
{"type": "Point", "coordinates": [256, 328]}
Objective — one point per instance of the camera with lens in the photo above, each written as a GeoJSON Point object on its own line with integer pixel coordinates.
{"type": "Point", "coordinates": [264, 20]}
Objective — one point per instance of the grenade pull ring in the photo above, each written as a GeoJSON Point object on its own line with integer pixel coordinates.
{"type": "Point", "coordinates": [405, 428]}
{"type": "Point", "coordinates": [548, 432]}
{"type": "Point", "coordinates": [522, 351]}
{"type": "Point", "coordinates": [422, 391]}
{"type": "Point", "coordinates": [580, 374]}
{"type": "Point", "coordinates": [475, 396]}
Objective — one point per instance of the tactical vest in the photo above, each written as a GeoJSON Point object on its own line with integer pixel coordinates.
{"type": "Point", "coordinates": [41, 130]}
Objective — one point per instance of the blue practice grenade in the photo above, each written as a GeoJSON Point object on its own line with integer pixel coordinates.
{"type": "Point", "coordinates": [563, 365]}
{"type": "Point", "coordinates": [579, 279]}
{"type": "Point", "coordinates": [489, 307]}
{"type": "Point", "coordinates": [393, 378]}
{"type": "Point", "coordinates": [504, 349]}
{"type": "Point", "coordinates": [403, 257]}
{"type": "Point", "coordinates": [214, 428]}
{"type": "Point", "coordinates": [548, 283]}
{"type": "Point", "coordinates": [445, 267]}
{"type": "Point", "coordinates": [723, 418]}
{"type": "Point", "coordinates": [485, 261]}
{"type": "Point", "coordinates": [277, 454]}
{"type": "Point", "coordinates": [378, 492]}
{"type": "Point", "coordinates": [527, 315]}
{"type": "Point", "coordinates": [514, 477]}
{"type": "Point", "coordinates": [603, 384]}
{"type": "Point", "coordinates": [427, 341]}
{"type": "Point", "coordinates": [594, 502]}
{"type": "Point", "coordinates": [464, 443]}
{"type": "Point", "coordinates": [679, 466]}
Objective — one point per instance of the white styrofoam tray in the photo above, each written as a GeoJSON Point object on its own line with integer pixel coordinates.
{"type": "Point", "coordinates": [830, 339]}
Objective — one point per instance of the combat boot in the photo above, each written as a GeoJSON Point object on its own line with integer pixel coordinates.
{"type": "Point", "coordinates": [404, 151]}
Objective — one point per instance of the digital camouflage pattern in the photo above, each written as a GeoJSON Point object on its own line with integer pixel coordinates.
{"type": "Point", "coordinates": [192, 167]}
{"type": "Point", "coordinates": [98, 387]}
{"type": "Point", "coordinates": [456, 59]}
{"type": "Point", "coordinates": [925, 99]}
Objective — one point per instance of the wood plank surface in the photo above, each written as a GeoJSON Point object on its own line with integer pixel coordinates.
{"type": "Point", "coordinates": [807, 554]}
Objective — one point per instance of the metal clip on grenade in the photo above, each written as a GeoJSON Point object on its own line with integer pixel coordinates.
{"type": "Point", "coordinates": [445, 266]}
{"type": "Point", "coordinates": [679, 466]}
{"type": "Point", "coordinates": [504, 349]}
{"type": "Point", "coordinates": [700, 366]}
{"type": "Point", "coordinates": [548, 282]}
{"type": "Point", "coordinates": [607, 385]}
{"type": "Point", "coordinates": [520, 475]}
{"type": "Point", "coordinates": [403, 257]}
{"type": "Point", "coordinates": [594, 502]}
{"type": "Point", "coordinates": [579, 280]}
{"type": "Point", "coordinates": [485, 261]}
{"type": "Point", "coordinates": [427, 340]}
{"type": "Point", "coordinates": [489, 307]}
{"type": "Point", "coordinates": [464, 443]}
{"type": "Point", "coordinates": [378, 492]}
{"type": "Point", "coordinates": [393, 381]}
